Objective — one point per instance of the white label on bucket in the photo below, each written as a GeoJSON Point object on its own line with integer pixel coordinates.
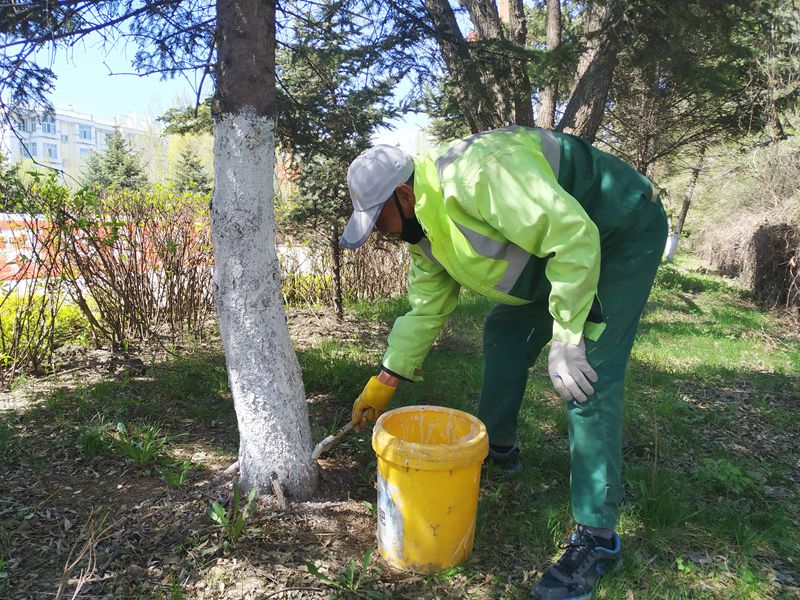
{"type": "Point", "coordinates": [390, 521]}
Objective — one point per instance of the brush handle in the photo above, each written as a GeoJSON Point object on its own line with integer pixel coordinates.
{"type": "Point", "coordinates": [329, 441]}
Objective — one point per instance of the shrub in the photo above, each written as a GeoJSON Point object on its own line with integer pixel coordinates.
{"type": "Point", "coordinates": [34, 319]}
{"type": "Point", "coordinates": [36, 316]}
{"type": "Point", "coordinates": [305, 288]}
{"type": "Point", "coordinates": [145, 259]}
{"type": "Point", "coordinates": [137, 263]}
{"type": "Point", "coordinates": [749, 220]}
{"type": "Point", "coordinates": [376, 270]}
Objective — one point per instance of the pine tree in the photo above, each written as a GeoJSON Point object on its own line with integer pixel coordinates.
{"type": "Point", "coordinates": [190, 175]}
{"type": "Point", "coordinates": [118, 166]}
{"type": "Point", "coordinates": [335, 97]}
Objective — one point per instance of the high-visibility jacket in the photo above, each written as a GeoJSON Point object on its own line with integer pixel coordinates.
{"type": "Point", "coordinates": [492, 211]}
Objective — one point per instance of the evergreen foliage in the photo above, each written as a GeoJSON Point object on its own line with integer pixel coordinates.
{"type": "Point", "coordinates": [188, 120]}
{"type": "Point", "coordinates": [170, 38]}
{"type": "Point", "coordinates": [117, 167]}
{"type": "Point", "coordinates": [190, 175]}
{"type": "Point", "coordinates": [334, 96]}
{"type": "Point", "coordinates": [447, 121]}
{"type": "Point", "coordinates": [11, 188]}
{"type": "Point", "coordinates": [681, 85]}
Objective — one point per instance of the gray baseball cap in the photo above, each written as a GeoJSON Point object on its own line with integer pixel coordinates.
{"type": "Point", "coordinates": [371, 179]}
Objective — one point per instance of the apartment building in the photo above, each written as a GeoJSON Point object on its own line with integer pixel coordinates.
{"type": "Point", "coordinates": [65, 139]}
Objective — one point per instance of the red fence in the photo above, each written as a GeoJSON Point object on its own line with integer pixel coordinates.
{"type": "Point", "coordinates": [17, 245]}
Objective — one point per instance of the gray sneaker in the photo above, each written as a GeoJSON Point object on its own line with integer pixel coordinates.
{"type": "Point", "coordinates": [505, 464]}
{"type": "Point", "coordinates": [575, 575]}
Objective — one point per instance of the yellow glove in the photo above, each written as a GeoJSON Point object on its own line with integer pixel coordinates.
{"type": "Point", "coordinates": [372, 401]}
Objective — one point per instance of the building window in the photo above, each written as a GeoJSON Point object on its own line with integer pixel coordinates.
{"type": "Point", "coordinates": [27, 125]}
{"type": "Point", "coordinates": [29, 149]}
{"type": "Point", "coordinates": [48, 125]}
{"type": "Point", "coordinates": [84, 152]}
{"type": "Point", "coordinates": [108, 137]}
{"type": "Point", "coordinates": [51, 150]}
{"type": "Point", "coordinates": [64, 139]}
{"type": "Point", "coordinates": [85, 132]}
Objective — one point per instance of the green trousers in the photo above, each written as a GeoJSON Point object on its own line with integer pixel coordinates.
{"type": "Point", "coordinates": [633, 232]}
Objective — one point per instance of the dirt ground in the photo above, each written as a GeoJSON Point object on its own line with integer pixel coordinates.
{"type": "Point", "coordinates": [72, 527]}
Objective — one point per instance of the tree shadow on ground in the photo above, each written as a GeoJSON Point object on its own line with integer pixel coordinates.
{"type": "Point", "coordinates": [64, 483]}
{"type": "Point", "coordinates": [669, 277]}
{"type": "Point", "coordinates": [686, 305]}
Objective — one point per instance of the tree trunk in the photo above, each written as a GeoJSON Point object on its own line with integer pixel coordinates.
{"type": "Point", "coordinates": [469, 87]}
{"type": "Point", "coordinates": [486, 19]}
{"type": "Point", "coordinates": [675, 236]}
{"type": "Point", "coordinates": [584, 112]}
{"type": "Point", "coordinates": [546, 115]}
{"type": "Point", "coordinates": [336, 251]}
{"type": "Point", "coordinates": [264, 375]}
{"type": "Point", "coordinates": [518, 32]}
{"type": "Point", "coordinates": [508, 80]}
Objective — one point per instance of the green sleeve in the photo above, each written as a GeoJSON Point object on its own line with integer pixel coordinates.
{"type": "Point", "coordinates": [433, 295]}
{"type": "Point", "coordinates": [521, 199]}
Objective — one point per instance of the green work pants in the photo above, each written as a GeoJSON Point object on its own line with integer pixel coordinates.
{"type": "Point", "coordinates": [514, 336]}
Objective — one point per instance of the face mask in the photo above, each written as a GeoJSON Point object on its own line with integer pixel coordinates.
{"type": "Point", "coordinates": [412, 231]}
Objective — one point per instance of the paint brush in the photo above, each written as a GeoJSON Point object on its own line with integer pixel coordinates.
{"type": "Point", "coordinates": [329, 441]}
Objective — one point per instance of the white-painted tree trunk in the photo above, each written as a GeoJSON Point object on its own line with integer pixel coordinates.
{"type": "Point", "coordinates": [264, 375]}
{"type": "Point", "coordinates": [672, 247]}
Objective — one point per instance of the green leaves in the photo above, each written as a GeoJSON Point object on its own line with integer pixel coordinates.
{"type": "Point", "coordinates": [351, 580]}
{"type": "Point", "coordinates": [142, 444]}
{"type": "Point", "coordinates": [3, 575]}
{"type": "Point", "coordinates": [334, 96]}
{"type": "Point", "coordinates": [679, 85]}
{"type": "Point", "coordinates": [147, 447]}
{"type": "Point", "coordinates": [189, 120]}
{"type": "Point", "coordinates": [231, 521]}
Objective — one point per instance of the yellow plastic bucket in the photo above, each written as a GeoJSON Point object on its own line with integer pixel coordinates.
{"type": "Point", "coordinates": [429, 470]}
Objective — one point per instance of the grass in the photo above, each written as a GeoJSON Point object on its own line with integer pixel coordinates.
{"type": "Point", "coordinates": [710, 451]}
{"type": "Point", "coordinates": [9, 442]}
{"type": "Point", "coordinates": [710, 466]}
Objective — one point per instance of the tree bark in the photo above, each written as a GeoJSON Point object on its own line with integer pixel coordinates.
{"type": "Point", "coordinates": [263, 371]}
{"type": "Point", "coordinates": [336, 251]}
{"type": "Point", "coordinates": [675, 236]}
{"type": "Point", "coordinates": [509, 81]}
{"type": "Point", "coordinates": [518, 32]}
{"type": "Point", "coordinates": [546, 115]}
{"type": "Point", "coordinates": [584, 112]}
{"type": "Point", "coordinates": [470, 88]}
{"type": "Point", "coordinates": [486, 19]}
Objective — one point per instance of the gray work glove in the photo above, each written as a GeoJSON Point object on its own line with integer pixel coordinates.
{"type": "Point", "coordinates": [570, 372]}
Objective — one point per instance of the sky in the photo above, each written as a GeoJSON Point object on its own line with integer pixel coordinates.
{"type": "Point", "coordinates": [86, 84]}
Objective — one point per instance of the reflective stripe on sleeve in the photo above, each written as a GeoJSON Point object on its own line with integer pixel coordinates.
{"type": "Point", "coordinates": [551, 150]}
{"type": "Point", "coordinates": [425, 245]}
{"type": "Point", "coordinates": [515, 256]}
